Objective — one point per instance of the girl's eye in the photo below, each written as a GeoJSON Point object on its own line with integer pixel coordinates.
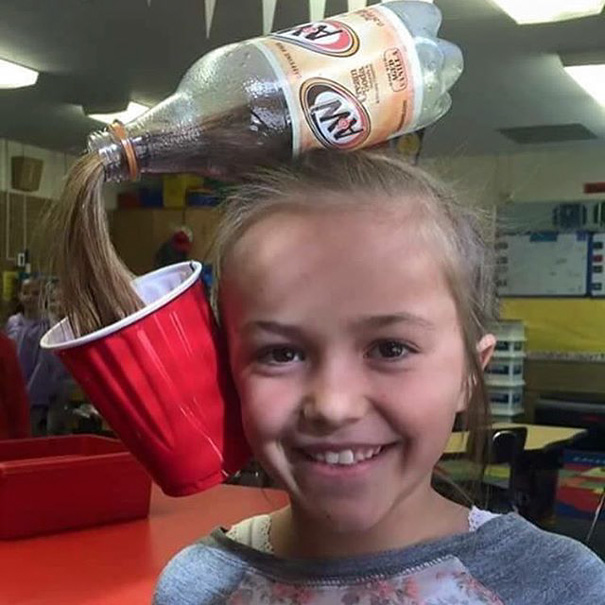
{"type": "Point", "coordinates": [392, 350]}
{"type": "Point", "coordinates": [280, 355]}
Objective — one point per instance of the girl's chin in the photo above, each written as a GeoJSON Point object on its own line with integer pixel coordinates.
{"type": "Point", "coordinates": [341, 517]}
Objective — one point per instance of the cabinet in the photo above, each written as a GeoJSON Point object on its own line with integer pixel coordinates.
{"type": "Point", "coordinates": [203, 222]}
{"type": "Point", "coordinates": [137, 233]}
{"type": "Point", "coordinates": [568, 392]}
{"type": "Point", "coordinates": [22, 227]}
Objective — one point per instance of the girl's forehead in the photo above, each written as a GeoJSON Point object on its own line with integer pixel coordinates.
{"type": "Point", "coordinates": [343, 221]}
{"type": "Point", "coordinates": [353, 255]}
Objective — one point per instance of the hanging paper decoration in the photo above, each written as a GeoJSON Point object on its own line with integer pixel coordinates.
{"type": "Point", "coordinates": [355, 5]}
{"type": "Point", "coordinates": [268, 15]}
{"type": "Point", "coordinates": [317, 9]}
{"type": "Point", "coordinates": [210, 4]}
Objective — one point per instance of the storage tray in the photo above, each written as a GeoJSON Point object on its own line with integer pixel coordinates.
{"type": "Point", "coordinates": [59, 483]}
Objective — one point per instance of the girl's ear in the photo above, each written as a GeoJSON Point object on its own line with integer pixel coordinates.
{"type": "Point", "coordinates": [486, 348]}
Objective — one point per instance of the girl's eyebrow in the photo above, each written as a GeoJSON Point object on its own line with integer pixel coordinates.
{"type": "Point", "coordinates": [371, 321]}
{"type": "Point", "coordinates": [384, 321]}
{"type": "Point", "coordinates": [274, 327]}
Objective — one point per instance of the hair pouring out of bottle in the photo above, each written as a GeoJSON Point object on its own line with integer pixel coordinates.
{"type": "Point", "coordinates": [96, 284]}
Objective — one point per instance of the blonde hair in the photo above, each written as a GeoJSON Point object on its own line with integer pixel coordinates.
{"type": "Point", "coordinates": [360, 179]}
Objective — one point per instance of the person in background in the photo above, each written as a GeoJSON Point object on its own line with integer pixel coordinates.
{"type": "Point", "coordinates": [44, 374]}
{"type": "Point", "coordinates": [354, 292]}
{"type": "Point", "coordinates": [14, 404]}
{"type": "Point", "coordinates": [59, 376]}
{"type": "Point", "coordinates": [27, 326]}
{"type": "Point", "coordinates": [176, 249]}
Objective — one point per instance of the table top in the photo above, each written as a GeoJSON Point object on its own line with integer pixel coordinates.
{"type": "Point", "coordinates": [119, 564]}
{"type": "Point", "coordinates": [538, 436]}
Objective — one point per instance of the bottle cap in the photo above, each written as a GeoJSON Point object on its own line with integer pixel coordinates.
{"type": "Point", "coordinates": [118, 130]}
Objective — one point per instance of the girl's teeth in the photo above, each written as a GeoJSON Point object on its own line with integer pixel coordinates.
{"type": "Point", "coordinates": [332, 457]}
{"type": "Point", "coordinates": [347, 457]}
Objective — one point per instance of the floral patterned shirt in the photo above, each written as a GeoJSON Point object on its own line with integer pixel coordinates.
{"type": "Point", "coordinates": [506, 561]}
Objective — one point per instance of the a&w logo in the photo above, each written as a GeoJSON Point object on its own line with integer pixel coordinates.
{"type": "Point", "coordinates": [334, 114]}
{"type": "Point", "coordinates": [328, 37]}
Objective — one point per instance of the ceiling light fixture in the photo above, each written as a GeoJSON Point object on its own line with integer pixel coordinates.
{"type": "Point", "coordinates": [588, 70]}
{"type": "Point", "coordinates": [133, 111]}
{"type": "Point", "coordinates": [547, 11]}
{"type": "Point", "coordinates": [591, 78]}
{"type": "Point", "coordinates": [16, 76]}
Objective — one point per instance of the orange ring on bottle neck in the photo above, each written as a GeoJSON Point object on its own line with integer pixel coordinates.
{"type": "Point", "coordinates": [117, 128]}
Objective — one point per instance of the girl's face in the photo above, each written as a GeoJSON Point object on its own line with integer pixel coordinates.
{"type": "Point", "coordinates": [347, 353]}
{"type": "Point", "coordinates": [29, 296]}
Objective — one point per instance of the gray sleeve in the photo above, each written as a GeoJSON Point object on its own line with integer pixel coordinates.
{"type": "Point", "coordinates": [548, 569]}
{"type": "Point", "coordinates": [577, 572]}
{"type": "Point", "coordinates": [198, 575]}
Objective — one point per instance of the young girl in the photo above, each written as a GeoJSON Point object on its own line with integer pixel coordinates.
{"type": "Point", "coordinates": [353, 291]}
{"type": "Point", "coordinates": [46, 379]}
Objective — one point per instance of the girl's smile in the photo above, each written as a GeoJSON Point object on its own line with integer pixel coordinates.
{"type": "Point", "coordinates": [342, 464]}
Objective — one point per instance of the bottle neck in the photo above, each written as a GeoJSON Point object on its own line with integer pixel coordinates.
{"type": "Point", "coordinates": [117, 152]}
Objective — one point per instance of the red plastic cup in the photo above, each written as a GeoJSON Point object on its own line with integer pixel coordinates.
{"type": "Point", "coordinates": [161, 379]}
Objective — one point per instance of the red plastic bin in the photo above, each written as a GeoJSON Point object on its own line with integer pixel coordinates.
{"type": "Point", "coordinates": [58, 483]}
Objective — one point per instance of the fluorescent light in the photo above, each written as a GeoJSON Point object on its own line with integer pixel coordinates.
{"type": "Point", "coordinates": [591, 78]}
{"type": "Point", "coordinates": [16, 76]}
{"type": "Point", "coordinates": [545, 11]}
{"type": "Point", "coordinates": [133, 111]}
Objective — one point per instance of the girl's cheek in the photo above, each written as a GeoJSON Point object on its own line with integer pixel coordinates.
{"type": "Point", "coordinates": [266, 407]}
{"type": "Point", "coordinates": [412, 401]}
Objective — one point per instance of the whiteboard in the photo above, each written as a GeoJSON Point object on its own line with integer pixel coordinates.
{"type": "Point", "coordinates": [542, 264]}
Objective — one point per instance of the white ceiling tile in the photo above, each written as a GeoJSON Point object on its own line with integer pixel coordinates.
{"type": "Point", "coordinates": [268, 15]}
{"type": "Point", "coordinates": [317, 9]}
{"type": "Point", "coordinates": [355, 5]}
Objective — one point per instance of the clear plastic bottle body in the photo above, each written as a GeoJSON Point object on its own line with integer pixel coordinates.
{"type": "Point", "coordinates": [441, 62]}
{"type": "Point", "coordinates": [230, 113]}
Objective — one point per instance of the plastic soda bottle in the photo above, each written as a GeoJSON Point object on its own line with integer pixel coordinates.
{"type": "Point", "coordinates": [345, 82]}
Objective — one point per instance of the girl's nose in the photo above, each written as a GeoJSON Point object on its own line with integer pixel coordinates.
{"type": "Point", "coordinates": [335, 397]}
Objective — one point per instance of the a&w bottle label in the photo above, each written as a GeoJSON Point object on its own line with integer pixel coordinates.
{"type": "Point", "coordinates": [332, 38]}
{"type": "Point", "coordinates": [349, 80]}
